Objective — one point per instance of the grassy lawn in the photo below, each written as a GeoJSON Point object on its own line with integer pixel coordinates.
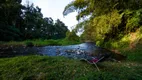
{"type": "Point", "coordinates": [60, 68]}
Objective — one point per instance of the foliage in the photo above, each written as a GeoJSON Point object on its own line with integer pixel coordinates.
{"type": "Point", "coordinates": [29, 44]}
{"type": "Point", "coordinates": [22, 22]}
{"type": "Point", "coordinates": [39, 42]}
{"type": "Point", "coordinates": [106, 20]}
{"type": "Point", "coordinates": [9, 14]}
{"type": "Point", "coordinates": [68, 42]}
{"type": "Point", "coordinates": [70, 39]}
{"type": "Point", "coordinates": [38, 27]}
{"type": "Point", "coordinates": [100, 7]}
{"type": "Point", "coordinates": [71, 36]}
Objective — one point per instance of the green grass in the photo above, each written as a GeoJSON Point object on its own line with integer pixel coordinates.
{"type": "Point", "coordinates": [60, 68]}
{"type": "Point", "coordinates": [134, 55]}
{"type": "Point", "coordinates": [39, 42]}
{"type": "Point", "coordinates": [42, 67]}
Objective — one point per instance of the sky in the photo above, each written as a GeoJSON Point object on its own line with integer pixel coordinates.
{"type": "Point", "coordinates": [54, 9]}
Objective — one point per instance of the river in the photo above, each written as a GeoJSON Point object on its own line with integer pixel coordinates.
{"type": "Point", "coordinates": [84, 50]}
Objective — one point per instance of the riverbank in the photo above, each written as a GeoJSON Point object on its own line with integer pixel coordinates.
{"type": "Point", "coordinates": [55, 68]}
{"type": "Point", "coordinates": [38, 42]}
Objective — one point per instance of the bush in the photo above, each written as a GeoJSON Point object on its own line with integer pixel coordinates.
{"type": "Point", "coordinates": [29, 44]}
{"type": "Point", "coordinates": [68, 42]}
{"type": "Point", "coordinates": [53, 42]}
{"type": "Point", "coordinates": [71, 36]}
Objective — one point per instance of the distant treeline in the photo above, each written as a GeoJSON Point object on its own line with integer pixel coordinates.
{"type": "Point", "coordinates": [21, 22]}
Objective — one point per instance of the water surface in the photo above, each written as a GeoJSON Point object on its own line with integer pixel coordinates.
{"type": "Point", "coordinates": [84, 50]}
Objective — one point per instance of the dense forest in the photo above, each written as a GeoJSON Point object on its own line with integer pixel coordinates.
{"type": "Point", "coordinates": [108, 23]}
{"type": "Point", "coordinates": [22, 22]}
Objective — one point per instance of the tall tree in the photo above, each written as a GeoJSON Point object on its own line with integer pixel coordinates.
{"type": "Point", "coordinates": [18, 22]}
{"type": "Point", "coordinates": [60, 29]}
{"type": "Point", "coordinates": [33, 20]}
{"type": "Point", "coordinates": [10, 11]}
{"type": "Point", "coordinates": [107, 19]}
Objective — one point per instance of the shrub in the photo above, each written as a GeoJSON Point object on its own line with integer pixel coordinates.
{"type": "Point", "coordinates": [29, 44]}
{"type": "Point", "coordinates": [53, 42]}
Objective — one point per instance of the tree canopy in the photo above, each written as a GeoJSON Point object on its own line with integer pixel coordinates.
{"type": "Point", "coordinates": [108, 19]}
{"type": "Point", "coordinates": [20, 22]}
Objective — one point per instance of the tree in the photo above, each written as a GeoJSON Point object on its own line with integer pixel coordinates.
{"type": "Point", "coordinates": [33, 21]}
{"type": "Point", "coordinates": [60, 29]}
{"type": "Point", "coordinates": [71, 36]}
{"type": "Point", "coordinates": [108, 20]}
{"type": "Point", "coordinates": [10, 11]}
{"type": "Point", "coordinates": [18, 22]}
{"type": "Point", "coordinates": [35, 26]}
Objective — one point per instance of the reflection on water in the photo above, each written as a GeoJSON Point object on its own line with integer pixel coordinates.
{"type": "Point", "coordinates": [84, 50]}
{"type": "Point", "coordinates": [71, 51]}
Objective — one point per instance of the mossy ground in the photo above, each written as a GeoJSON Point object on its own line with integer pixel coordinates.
{"type": "Point", "coordinates": [60, 68]}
